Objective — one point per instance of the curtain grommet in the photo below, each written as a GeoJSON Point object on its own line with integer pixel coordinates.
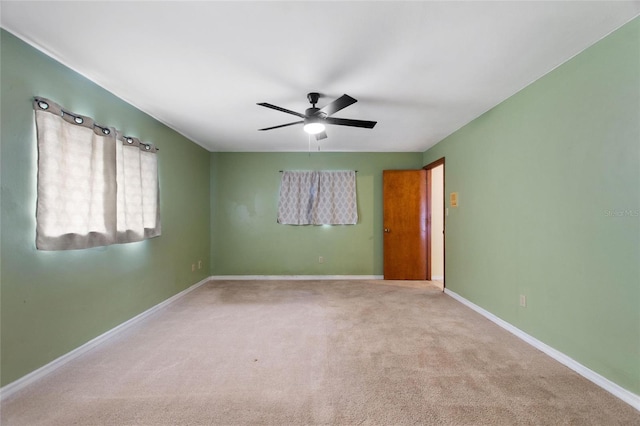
{"type": "Point", "coordinates": [43, 105]}
{"type": "Point", "coordinates": [78, 120]}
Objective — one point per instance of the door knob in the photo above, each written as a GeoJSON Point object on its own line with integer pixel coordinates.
{"type": "Point", "coordinates": [386, 230]}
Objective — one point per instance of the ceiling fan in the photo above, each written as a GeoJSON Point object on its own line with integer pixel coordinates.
{"type": "Point", "coordinates": [315, 119]}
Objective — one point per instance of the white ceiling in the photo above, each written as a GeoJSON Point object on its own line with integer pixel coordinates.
{"type": "Point", "coordinates": [421, 69]}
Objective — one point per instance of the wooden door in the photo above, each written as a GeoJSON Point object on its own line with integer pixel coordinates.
{"type": "Point", "coordinates": [404, 195]}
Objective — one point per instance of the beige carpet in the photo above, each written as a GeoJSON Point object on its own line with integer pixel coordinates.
{"type": "Point", "coordinates": [314, 353]}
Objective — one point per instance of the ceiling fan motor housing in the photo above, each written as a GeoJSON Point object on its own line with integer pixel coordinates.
{"type": "Point", "coordinates": [313, 112]}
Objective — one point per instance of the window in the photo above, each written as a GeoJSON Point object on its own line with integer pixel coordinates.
{"type": "Point", "coordinates": [318, 198]}
{"type": "Point", "coordinates": [95, 186]}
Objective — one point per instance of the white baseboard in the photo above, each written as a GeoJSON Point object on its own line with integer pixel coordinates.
{"type": "Point", "coordinates": [606, 384]}
{"type": "Point", "coordinates": [296, 277]}
{"type": "Point", "coordinates": [13, 387]}
{"type": "Point", "coordinates": [437, 277]}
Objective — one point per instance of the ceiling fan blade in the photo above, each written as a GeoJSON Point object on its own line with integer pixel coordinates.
{"type": "Point", "coordinates": [288, 111]}
{"type": "Point", "coordinates": [283, 125]}
{"type": "Point", "coordinates": [352, 123]}
{"type": "Point", "coordinates": [321, 135]}
{"type": "Point", "coordinates": [340, 103]}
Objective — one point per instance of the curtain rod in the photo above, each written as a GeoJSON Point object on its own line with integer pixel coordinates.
{"type": "Point", "coordinates": [44, 104]}
{"type": "Point", "coordinates": [327, 170]}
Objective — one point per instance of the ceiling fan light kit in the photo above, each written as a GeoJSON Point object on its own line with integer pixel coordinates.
{"type": "Point", "coordinates": [313, 127]}
{"type": "Point", "coordinates": [316, 119]}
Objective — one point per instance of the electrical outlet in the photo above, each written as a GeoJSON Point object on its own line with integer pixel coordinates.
{"type": "Point", "coordinates": [523, 300]}
{"type": "Point", "coordinates": [320, 259]}
{"type": "Point", "coordinates": [199, 264]}
{"type": "Point", "coordinates": [193, 267]}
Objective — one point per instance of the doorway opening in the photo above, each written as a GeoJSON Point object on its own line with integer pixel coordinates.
{"type": "Point", "coordinates": [435, 222]}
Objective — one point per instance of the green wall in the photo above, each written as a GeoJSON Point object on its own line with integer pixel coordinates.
{"type": "Point", "coordinates": [53, 302]}
{"type": "Point", "coordinates": [246, 240]}
{"type": "Point", "coordinates": [549, 194]}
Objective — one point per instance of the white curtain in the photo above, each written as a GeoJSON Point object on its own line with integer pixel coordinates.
{"type": "Point", "coordinates": [95, 186]}
{"type": "Point", "coordinates": [137, 195]}
{"type": "Point", "coordinates": [318, 198]}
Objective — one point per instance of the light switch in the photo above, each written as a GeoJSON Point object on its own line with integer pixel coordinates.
{"type": "Point", "coordinates": [453, 199]}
